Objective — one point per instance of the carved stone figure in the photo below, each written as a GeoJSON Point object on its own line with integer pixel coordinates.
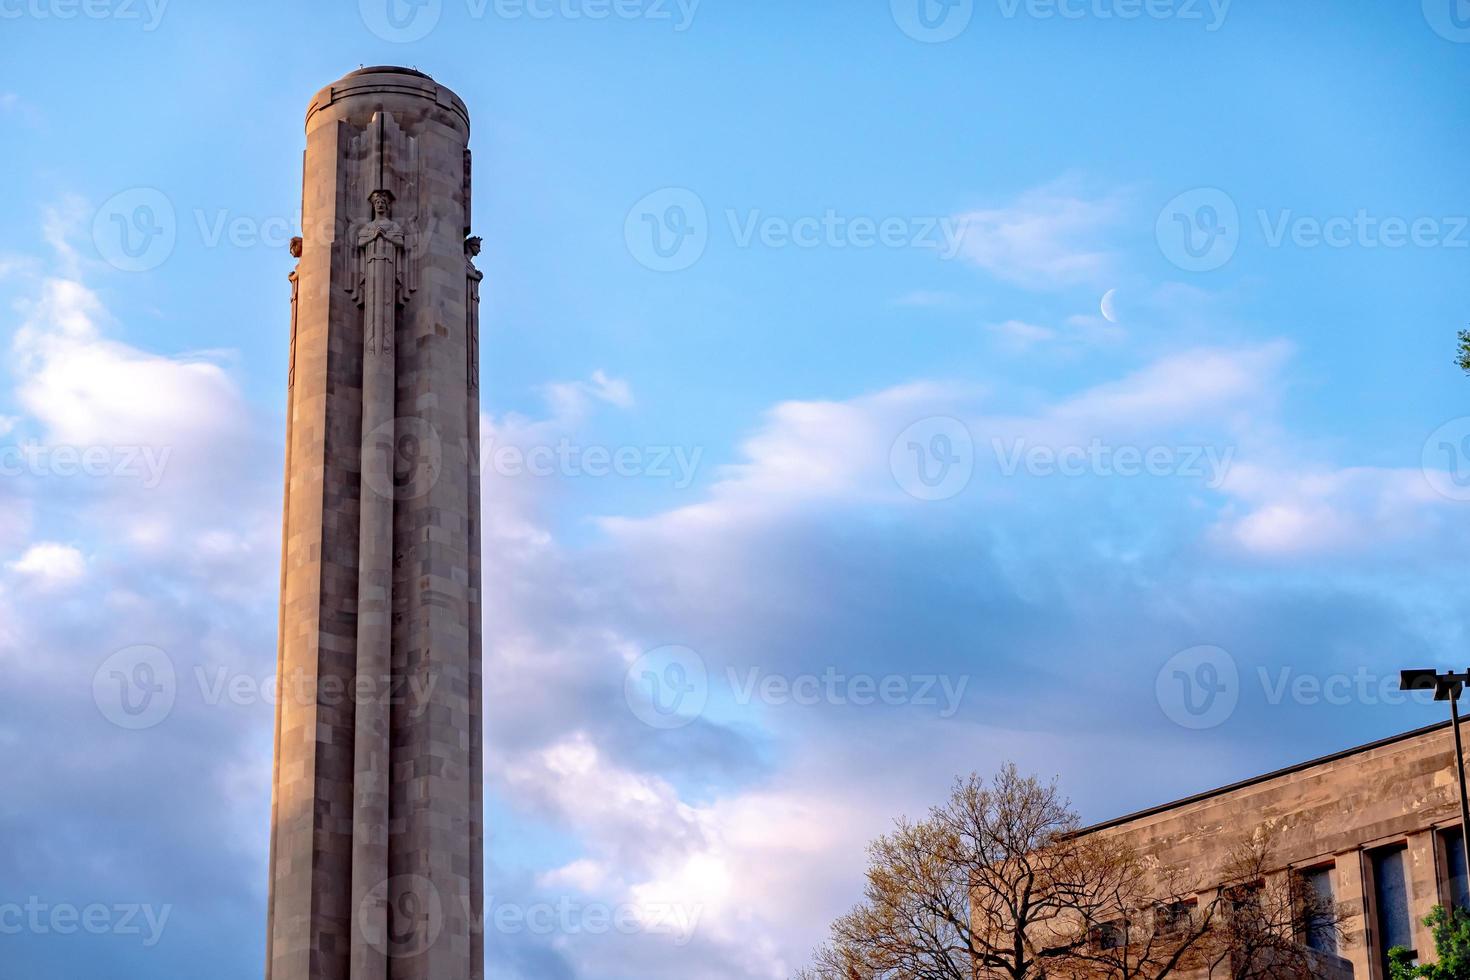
{"type": "Point", "coordinates": [472, 311]}
{"type": "Point", "coordinates": [294, 278]}
{"type": "Point", "coordinates": [381, 242]}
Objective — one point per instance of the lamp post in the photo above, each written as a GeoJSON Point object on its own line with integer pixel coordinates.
{"type": "Point", "coordinates": [1447, 687]}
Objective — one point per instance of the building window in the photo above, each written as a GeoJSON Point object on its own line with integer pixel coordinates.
{"type": "Point", "coordinates": [1391, 900]}
{"type": "Point", "coordinates": [1319, 905]}
{"type": "Point", "coordinates": [1457, 886]}
{"type": "Point", "coordinates": [1174, 918]}
{"type": "Point", "coordinates": [1108, 935]}
{"type": "Point", "coordinates": [1244, 898]}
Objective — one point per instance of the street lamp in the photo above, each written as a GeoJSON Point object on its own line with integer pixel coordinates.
{"type": "Point", "coordinates": [1447, 687]}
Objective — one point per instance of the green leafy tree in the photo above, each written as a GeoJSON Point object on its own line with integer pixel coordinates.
{"type": "Point", "coordinates": [1451, 932]}
{"type": "Point", "coordinates": [1462, 354]}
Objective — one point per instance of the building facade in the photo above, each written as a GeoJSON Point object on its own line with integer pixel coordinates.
{"type": "Point", "coordinates": [1375, 828]}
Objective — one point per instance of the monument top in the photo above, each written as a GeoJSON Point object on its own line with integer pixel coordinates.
{"type": "Point", "coordinates": [386, 85]}
{"type": "Point", "coordinates": [386, 70]}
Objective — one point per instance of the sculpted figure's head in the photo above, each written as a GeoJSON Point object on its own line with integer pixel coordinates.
{"type": "Point", "coordinates": [296, 247]}
{"type": "Point", "coordinates": [382, 202]}
{"type": "Point", "coordinates": [472, 245]}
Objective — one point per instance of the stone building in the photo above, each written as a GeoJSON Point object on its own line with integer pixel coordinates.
{"type": "Point", "coordinates": [1376, 827]}
{"type": "Point", "coordinates": [377, 831]}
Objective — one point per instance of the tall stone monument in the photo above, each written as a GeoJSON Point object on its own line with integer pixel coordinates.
{"type": "Point", "coordinates": [376, 822]}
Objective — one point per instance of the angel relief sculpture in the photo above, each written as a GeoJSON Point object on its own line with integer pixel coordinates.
{"type": "Point", "coordinates": [381, 273]}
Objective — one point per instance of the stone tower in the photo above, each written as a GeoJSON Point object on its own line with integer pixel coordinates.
{"type": "Point", "coordinates": [376, 823]}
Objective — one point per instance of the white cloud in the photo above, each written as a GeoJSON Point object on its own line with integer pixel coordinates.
{"type": "Point", "coordinates": [1302, 510]}
{"type": "Point", "coordinates": [571, 400]}
{"type": "Point", "coordinates": [153, 456]}
{"type": "Point", "coordinates": [583, 875]}
{"type": "Point", "coordinates": [87, 390]}
{"type": "Point", "coordinates": [838, 452]}
{"type": "Point", "coordinates": [1082, 332]}
{"type": "Point", "coordinates": [928, 298]}
{"type": "Point", "coordinates": [50, 565]}
{"type": "Point", "coordinates": [1209, 383]}
{"type": "Point", "coordinates": [739, 872]}
{"type": "Point", "coordinates": [1021, 335]}
{"type": "Point", "coordinates": [1282, 528]}
{"type": "Point", "coordinates": [805, 452]}
{"type": "Point", "coordinates": [61, 223]}
{"type": "Point", "coordinates": [639, 814]}
{"type": "Point", "coordinates": [1050, 237]}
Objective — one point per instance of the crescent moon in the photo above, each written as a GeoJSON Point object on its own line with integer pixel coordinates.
{"type": "Point", "coordinates": [1109, 313]}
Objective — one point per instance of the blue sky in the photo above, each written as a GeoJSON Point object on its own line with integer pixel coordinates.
{"type": "Point", "coordinates": [885, 515]}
